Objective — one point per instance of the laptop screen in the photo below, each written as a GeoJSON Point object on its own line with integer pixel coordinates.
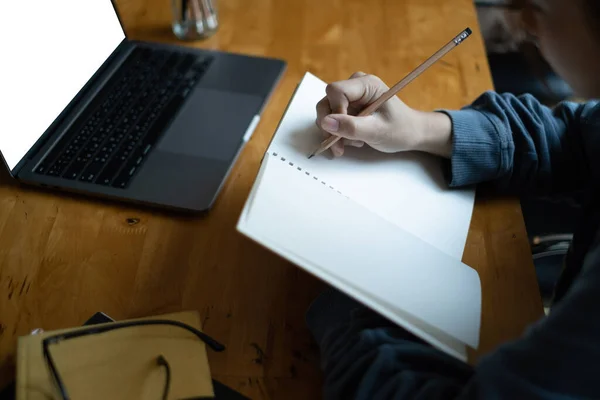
{"type": "Point", "coordinates": [49, 50]}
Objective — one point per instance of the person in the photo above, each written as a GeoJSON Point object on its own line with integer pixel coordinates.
{"type": "Point", "coordinates": [513, 144]}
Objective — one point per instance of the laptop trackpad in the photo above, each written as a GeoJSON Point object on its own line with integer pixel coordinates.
{"type": "Point", "coordinates": [211, 124]}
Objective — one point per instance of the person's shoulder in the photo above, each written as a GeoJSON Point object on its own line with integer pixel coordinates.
{"type": "Point", "coordinates": [591, 111]}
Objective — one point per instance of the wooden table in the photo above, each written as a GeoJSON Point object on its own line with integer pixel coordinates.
{"type": "Point", "coordinates": [63, 258]}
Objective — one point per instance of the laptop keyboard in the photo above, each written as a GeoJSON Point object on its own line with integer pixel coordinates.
{"type": "Point", "coordinates": [121, 125]}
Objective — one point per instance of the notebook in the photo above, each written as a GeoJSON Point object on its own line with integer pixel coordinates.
{"type": "Point", "coordinates": [120, 364]}
{"type": "Point", "coordinates": [383, 228]}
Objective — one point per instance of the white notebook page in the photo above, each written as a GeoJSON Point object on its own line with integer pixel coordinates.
{"type": "Point", "coordinates": [405, 279]}
{"type": "Point", "coordinates": [407, 189]}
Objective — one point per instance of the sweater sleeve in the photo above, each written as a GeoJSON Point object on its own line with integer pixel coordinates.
{"type": "Point", "coordinates": [365, 356]}
{"type": "Point", "coordinates": [517, 144]}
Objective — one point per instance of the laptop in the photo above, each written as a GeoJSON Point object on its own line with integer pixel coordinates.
{"type": "Point", "coordinates": [84, 109]}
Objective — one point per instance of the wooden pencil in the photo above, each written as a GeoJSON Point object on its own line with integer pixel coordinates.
{"type": "Point", "coordinates": [326, 144]}
{"type": "Point", "coordinates": [198, 13]}
{"type": "Point", "coordinates": [184, 11]}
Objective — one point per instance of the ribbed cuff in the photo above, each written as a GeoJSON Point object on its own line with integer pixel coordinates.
{"type": "Point", "coordinates": [478, 149]}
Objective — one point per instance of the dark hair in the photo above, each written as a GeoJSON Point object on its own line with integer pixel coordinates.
{"type": "Point", "coordinates": [592, 10]}
{"type": "Point", "coordinates": [530, 51]}
{"type": "Point", "coordinates": [593, 6]}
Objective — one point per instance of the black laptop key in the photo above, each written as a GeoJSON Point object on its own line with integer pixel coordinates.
{"type": "Point", "coordinates": [94, 167]}
{"type": "Point", "coordinates": [170, 62]}
{"type": "Point", "coordinates": [114, 165]}
{"type": "Point", "coordinates": [159, 56]}
{"type": "Point", "coordinates": [106, 151]}
{"type": "Point", "coordinates": [126, 119]}
{"type": "Point", "coordinates": [134, 161]}
{"type": "Point", "coordinates": [124, 177]}
{"type": "Point", "coordinates": [53, 172]}
{"type": "Point", "coordinates": [162, 121]}
{"type": "Point", "coordinates": [186, 63]}
{"type": "Point", "coordinates": [136, 158]}
{"type": "Point", "coordinates": [59, 166]}
{"type": "Point", "coordinates": [65, 158]}
{"type": "Point", "coordinates": [44, 167]}
{"type": "Point", "coordinates": [77, 166]}
{"type": "Point", "coordinates": [87, 177]}
{"type": "Point", "coordinates": [108, 173]}
{"type": "Point", "coordinates": [200, 67]}
{"type": "Point", "coordinates": [91, 148]}
{"type": "Point", "coordinates": [144, 53]}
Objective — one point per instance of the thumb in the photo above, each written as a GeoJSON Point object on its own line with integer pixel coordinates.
{"type": "Point", "coordinates": [353, 128]}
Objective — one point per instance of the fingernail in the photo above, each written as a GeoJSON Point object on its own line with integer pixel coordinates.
{"type": "Point", "coordinates": [330, 124]}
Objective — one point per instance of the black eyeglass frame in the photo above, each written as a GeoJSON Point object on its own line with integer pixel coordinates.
{"type": "Point", "coordinates": [55, 339]}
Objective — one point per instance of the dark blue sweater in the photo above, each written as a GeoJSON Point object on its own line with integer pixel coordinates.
{"type": "Point", "coordinates": [516, 145]}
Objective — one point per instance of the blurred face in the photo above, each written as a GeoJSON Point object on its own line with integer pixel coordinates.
{"type": "Point", "coordinates": [565, 36]}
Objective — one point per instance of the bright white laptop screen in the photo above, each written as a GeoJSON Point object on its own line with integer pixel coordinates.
{"type": "Point", "coordinates": [50, 49]}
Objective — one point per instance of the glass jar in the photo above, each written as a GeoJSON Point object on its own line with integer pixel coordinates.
{"type": "Point", "coordinates": [194, 19]}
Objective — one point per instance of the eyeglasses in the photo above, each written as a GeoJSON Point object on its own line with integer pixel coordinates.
{"type": "Point", "coordinates": [52, 340]}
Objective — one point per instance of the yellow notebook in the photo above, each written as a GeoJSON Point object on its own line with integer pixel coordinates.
{"type": "Point", "coordinates": [119, 364]}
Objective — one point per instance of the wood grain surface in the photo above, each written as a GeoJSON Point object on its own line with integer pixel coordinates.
{"type": "Point", "coordinates": [62, 258]}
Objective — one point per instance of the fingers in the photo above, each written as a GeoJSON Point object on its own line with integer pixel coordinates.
{"type": "Point", "coordinates": [365, 129]}
{"type": "Point", "coordinates": [357, 74]}
{"type": "Point", "coordinates": [353, 143]}
{"type": "Point", "coordinates": [338, 147]}
{"type": "Point", "coordinates": [361, 89]}
{"type": "Point", "coordinates": [323, 110]}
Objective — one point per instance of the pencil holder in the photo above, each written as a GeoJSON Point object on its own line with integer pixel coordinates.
{"type": "Point", "coordinates": [194, 19]}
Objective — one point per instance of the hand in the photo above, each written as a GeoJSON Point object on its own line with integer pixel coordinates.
{"type": "Point", "coordinates": [394, 127]}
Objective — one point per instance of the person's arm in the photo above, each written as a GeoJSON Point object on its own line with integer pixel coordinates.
{"type": "Point", "coordinates": [517, 143]}
{"type": "Point", "coordinates": [514, 142]}
{"type": "Point", "coordinates": [365, 356]}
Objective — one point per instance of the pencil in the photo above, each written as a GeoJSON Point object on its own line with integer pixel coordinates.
{"type": "Point", "coordinates": [197, 13]}
{"type": "Point", "coordinates": [326, 144]}
{"type": "Point", "coordinates": [184, 10]}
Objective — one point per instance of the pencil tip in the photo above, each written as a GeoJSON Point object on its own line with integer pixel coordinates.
{"type": "Point", "coordinates": [311, 156]}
